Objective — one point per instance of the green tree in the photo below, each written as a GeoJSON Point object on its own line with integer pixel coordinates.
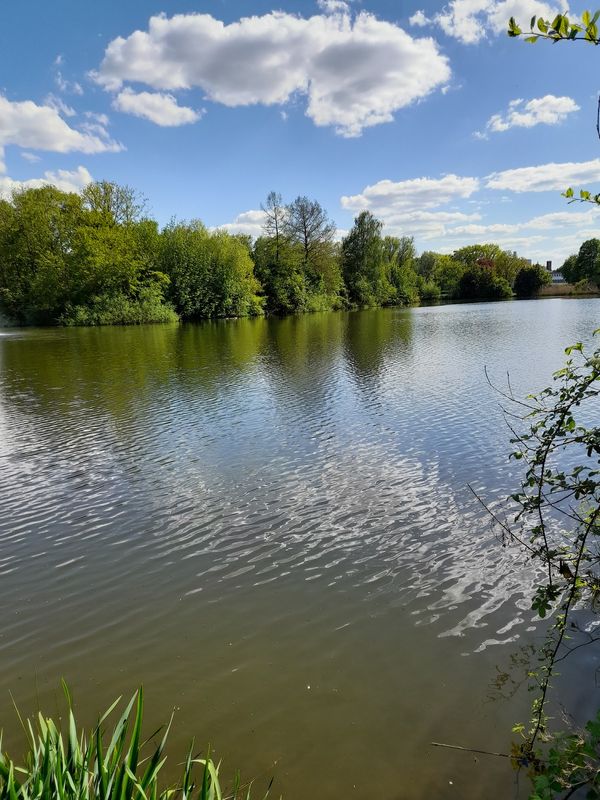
{"type": "Point", "coordinates": [505, 264]}
{"type": "Point", "coordinates": [400, 257]}
{"type": "Point", "coordinates": [115, 204]}
{"type": "Point", "coordinates": [279, 268]}
{"type": "Point", "coordinates": [530, 280]}
{"type": "Point", "coordinates": [428, 290]}
{"type": "Point", "coordinates": [585, 266]}
{"type": "Point", "coordinates": [569, 269]}
{"type": "Point", "coordinates": [588, 261]}
{"type": "Point", "coordinates": [211, 274]}
{"type": "Point", "coordinates": [474, 254]}
{"type": "Point", "coordinates": [234, 286]}
{"type": "Point", "coordinates": [38, 243]}
{"type": "Point", "coordinates": [275, 221]}
{"type": "Point", "coordinates": [426, 263]}
{"type": "Point", "coordinates": [115, 276]}
{"type": "Point", "coordinates": [307, 225]}
{"type": "Point", "coordinates": [400, 251]}
{"type": "Point", "coordinates": [447, 274]}
{"type": "Point", "coordinates": [364, 263]}
{"type": "Point", "coordinates": [481, 283]}
{"type": "Point", "coordinates": [60, 257]}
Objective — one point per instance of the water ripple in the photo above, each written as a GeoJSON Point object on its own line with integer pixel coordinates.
{"type": "Point", "coordinates": [249, 484]}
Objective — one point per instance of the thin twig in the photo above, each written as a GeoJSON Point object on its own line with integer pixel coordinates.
{"type": "Point", "coordinates": [510, 533]}
{"type": "Point", "coordinates": [591, 640]}
{"type": "Point", "coordinates": [470, 749]}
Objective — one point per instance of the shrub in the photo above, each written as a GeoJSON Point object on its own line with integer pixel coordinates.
{"type": "Point", "coordinates": [430, 291]}
{"type": "Point", "coordinates": [530, 280]}
{"type": "Point", "coordinates": [481, 283]}
{"type": "Point", "coordinates": [118, 309]}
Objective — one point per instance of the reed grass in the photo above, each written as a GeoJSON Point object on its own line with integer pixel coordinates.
{"type": "Point", "coordinates": [112, 762]}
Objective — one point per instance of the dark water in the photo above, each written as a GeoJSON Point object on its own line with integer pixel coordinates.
{"type": "Point", "coordinates": [267, 523]}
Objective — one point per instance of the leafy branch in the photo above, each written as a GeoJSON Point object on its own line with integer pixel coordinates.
{"type": "Point", "coordinates": [557, 522]}
{"type": "Point", "coordinates": [563, 29]}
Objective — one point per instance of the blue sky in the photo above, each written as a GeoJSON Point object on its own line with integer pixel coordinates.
{"type": "Point", "coordinates": [420, 113]}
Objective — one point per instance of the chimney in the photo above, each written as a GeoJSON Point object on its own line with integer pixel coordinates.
{"type": "Point", "coordinates": [549, 266]}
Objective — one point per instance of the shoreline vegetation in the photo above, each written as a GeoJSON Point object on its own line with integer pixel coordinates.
{"type": "Point", "coordinates": [97, 258]}
{"type": "Point", "coordinates": [111, 762]}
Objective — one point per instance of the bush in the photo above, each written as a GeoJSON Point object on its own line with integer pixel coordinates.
{"type": "Point", "coordinates": [447, 274]}
{"type": "Point", "coordinates": [211, 273]}
{"type": "Point", "coordinates": [430, 291]}
{"type": "Point", "coordinates": [481, 283]}
{"type": "Point", "coordinates": [530, 280]}
{"type": "Point", "coordinates": [118, 309]}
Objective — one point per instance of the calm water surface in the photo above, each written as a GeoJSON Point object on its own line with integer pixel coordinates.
{"type": "Point", "coordinates": [267, 523]}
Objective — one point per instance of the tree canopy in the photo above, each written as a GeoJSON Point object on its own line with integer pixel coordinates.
{"type": "Point", "coordinates": [585, 266]}
{"type": "Point", "coordinates": [98, 258]}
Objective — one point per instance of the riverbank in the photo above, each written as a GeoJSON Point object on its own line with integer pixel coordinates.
{"type": "Point", "coordinates": [569, 290]}
{"type": "Point", "coordinates": [94, 259]}
{"type": "Point", "coordinates": [547, 292]}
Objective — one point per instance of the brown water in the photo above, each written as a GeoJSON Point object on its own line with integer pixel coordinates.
{"type": "Point", "coordinates": [267, 523]}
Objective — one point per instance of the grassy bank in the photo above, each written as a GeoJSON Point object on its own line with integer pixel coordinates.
{"type": "Point", "coordinates": [569, 290]}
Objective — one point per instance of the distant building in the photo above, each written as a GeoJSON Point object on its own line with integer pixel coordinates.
{"type": "Point", "coordinates": [557, 276]}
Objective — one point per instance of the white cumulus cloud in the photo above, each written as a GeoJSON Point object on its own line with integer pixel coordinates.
{"type": "Point", "coordinates": [249, 223]}
{"type": "Point", "coordinates": [552, 236]}
{"type": "Point", "coordinates": [334, 6]}
{"type": "Point", "coordinates": [40, 127]}
{"type": "Point", "coordinates": [59, 105]}
{"type": "Point", "coordinates": [65, 180]}
{"type": "Point", "coordinates": [387, 197]}
{"type": "Point", "coordinates": [545, 177]}
{"type": "Point", "coordinates": [419, 19]}
{"type": "Point", "coordinates": [414, 206]}
{"type": "Point", "coordinates": [354, 71]}
{"type": "Point", "coordinates": [158, 107]}
{"type": "Point", "coordinates": [555, 220]}
{"type": "Point", "coordinates": [470, 21]}
{"type": "Point", "coordinates": [547, 110]}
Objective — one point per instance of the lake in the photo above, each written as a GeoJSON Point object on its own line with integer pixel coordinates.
{"type": "Point", "coordinates": [268, 523]}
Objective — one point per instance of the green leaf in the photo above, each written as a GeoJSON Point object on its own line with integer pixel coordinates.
{"type": "Point", "coordinates": [513, 28]}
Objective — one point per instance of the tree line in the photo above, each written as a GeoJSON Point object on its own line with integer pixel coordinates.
{"type": "Point", "coordinates": [97, 258]}
{"type": "Point", "coordinates": [583, 266]}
